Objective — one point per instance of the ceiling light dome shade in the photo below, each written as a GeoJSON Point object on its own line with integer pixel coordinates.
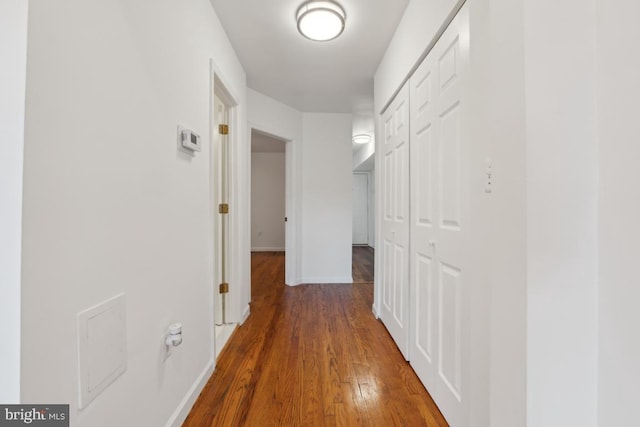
{"type": "Point", "coordinates": [361, 138]}
{"type": "Point", "coordinates": [320, 20]}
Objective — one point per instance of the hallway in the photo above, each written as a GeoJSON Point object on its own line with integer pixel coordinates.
{"type": "Point", "coordinates": [311, 355]}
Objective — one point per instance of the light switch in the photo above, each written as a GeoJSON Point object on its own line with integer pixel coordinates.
{"type": "Point", "coordinates": [488, 185]}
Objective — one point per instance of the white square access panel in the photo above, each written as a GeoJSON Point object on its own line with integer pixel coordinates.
{"type": "Point", "coordinates": [102, 347]}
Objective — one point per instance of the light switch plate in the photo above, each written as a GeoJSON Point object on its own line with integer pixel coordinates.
{"type": "Point", "coordinates": [488, 185]}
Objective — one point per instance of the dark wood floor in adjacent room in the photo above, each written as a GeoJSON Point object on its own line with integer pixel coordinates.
{"type": "Point", "coordinates": [362, 265]}
{"type": "Point", "coordinates": [311, 355]}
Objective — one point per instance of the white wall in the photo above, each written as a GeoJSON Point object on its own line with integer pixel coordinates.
{"type": "Point", "coordinates": [561, 213]}
{"type": "Point", "coordinates": [619, 201]}
{"type": "Point", "coordinates": [319, 157]}
{"type": "Point", "coordinates": [497, 33]}
{"type": "Point", "coordinates": [420, 23]}
{"type": "Point", "coordinates": [267, 201]}
{"type": "Point", "coordinates": [372, 208]}
{"type": "Point", "coordinates": [273, 117]}
{"type": "Point", "coordinates": [111, 204]}
{"type": "Point", "coordinates": [364, 153]}
{"type": "Point", "coordinates": [13, 51]}
{"type": "Point", "coordinates": [326, 201]}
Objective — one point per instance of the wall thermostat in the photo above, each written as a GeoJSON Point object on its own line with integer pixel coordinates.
{"type": "Point", "coordinates": [190, 139]}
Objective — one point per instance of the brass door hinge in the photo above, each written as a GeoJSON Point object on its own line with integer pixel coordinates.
{"type": "Point", "coordinates": [223, 129]}
{"type": "Point", "coordinates": [224, 288]}
{"type": "Point", "coordinates": [223, 208]}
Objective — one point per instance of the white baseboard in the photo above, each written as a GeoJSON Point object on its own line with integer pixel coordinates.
{"type": "Point", "coordinates": [183, 409]}
{"type": "Point", "coordinates": [375, 312]}
{"type": "Point", "coordinates": [268, 249]}
{"type": "Point", "coordinates": [245, 314]}
{"type": "Point", "coordinates": [222, 335]}
{"type": "Point", "coordinates": [322, 280]}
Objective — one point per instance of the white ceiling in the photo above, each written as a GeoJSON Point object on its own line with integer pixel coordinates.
{"type": "Point", "coordinates": [331, 77]}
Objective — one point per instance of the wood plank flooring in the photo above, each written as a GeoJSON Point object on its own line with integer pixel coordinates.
{"type": "Point", "coordinates": [311, 355]}
{"type": "Point", "coordinates": [362, 265]}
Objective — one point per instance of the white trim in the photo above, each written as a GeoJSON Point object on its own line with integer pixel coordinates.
{"type": "Point", "coordinates": [374, 311]}
{"type": "Point", "coordinates": [245, 314]}
{"type": "Point", "coordinates": [183, 409]}
{"type": "Point", "coordinates": [12, 122]}
{"type": "Point", "coordinates": [223, 333]}
{"type": "Point", "coordinates": [268, 249]}
{"type": "Point", "coordinates": [319, 280]}
{"type": "Point", "coordinates": [377, 262]}
{"type": "Point", "coordinates": [371, 198]}
{"type": "Point", "coordinates": [220, 87]}
{"type": "Point", "coordinates": [212, 208]}
{"type": "Point", "coordinates": [235, 227]}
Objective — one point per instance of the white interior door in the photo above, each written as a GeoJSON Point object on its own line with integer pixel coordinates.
{"type": "Point", "coordinates": [360, 187]}
{"type": "Point", "coordinates": [440, 250]}
{"type": "Point", "coordinates": [394, 274]}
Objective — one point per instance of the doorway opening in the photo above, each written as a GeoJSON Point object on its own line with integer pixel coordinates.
{"type": "Point", "coordinates": [268, 193]}
{"type": "Point", "coordinates": [363, 196]}
{"type": "Point", "coordinates": [268, 199]}
{"type": "Point", "coordinates": [360, 192]}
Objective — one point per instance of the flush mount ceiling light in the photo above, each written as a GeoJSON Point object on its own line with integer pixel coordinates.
{"type": "Point", "coordinates": [361, 138]}
{"type": "Point", "coordinates": [320, 20]}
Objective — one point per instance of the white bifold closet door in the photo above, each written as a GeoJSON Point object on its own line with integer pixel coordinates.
{"type": "Point", "coordinates": [440, 253]}
{"type": "Point", "coordinates": [394, 246]}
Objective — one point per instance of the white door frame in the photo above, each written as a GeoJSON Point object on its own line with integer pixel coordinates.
{"type": "Point", "coordinates": [236, 217]}
{"type": "Point", "coordinates": [291, 207]}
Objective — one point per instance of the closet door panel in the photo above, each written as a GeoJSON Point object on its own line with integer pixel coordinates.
{"type": "Point", "coordinates": [440, 211]}
{"type": "Point", "coordinates": [394, 274]}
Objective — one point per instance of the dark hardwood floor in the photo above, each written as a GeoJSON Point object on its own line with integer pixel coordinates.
{"type": "Point", "coordinates": [311, 355]}
{"type": "Point", "coordinates": [362, 264]}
